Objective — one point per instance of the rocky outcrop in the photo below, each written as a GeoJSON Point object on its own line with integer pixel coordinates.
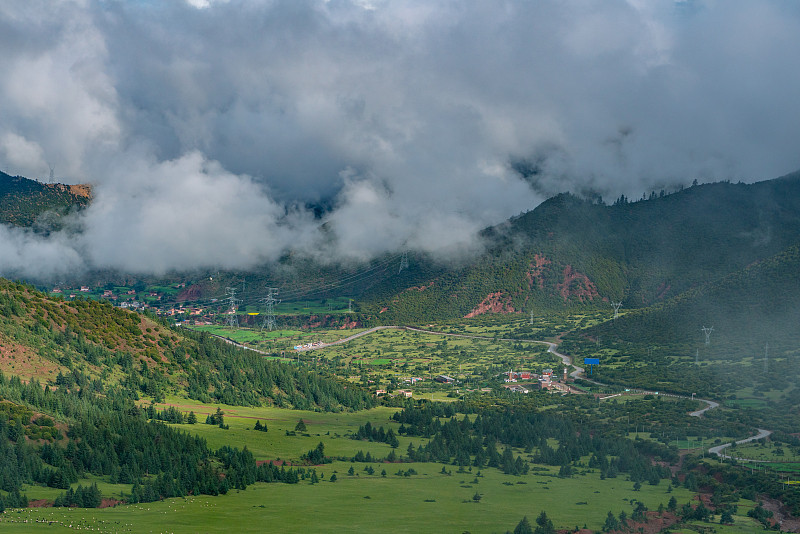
{"type": "Point", "coordinates": [576, 285]}
{"type": "Point", "coordinates": [535, 272]}
{"type": "Point", "coordinates": [420, 288]}
{"type": "Point", "coordinates": [493, 303]}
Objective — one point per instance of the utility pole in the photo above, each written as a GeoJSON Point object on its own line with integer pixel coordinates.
{"type": "Point", "coordinates": [232, 321]}
{"type": "Point", "coordinates": [707, 332]}
{"type": "Point", "coordinates": [269, 315]}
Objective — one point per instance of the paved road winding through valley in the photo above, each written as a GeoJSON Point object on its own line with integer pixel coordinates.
{"type": "Point", "coordinates": [577, 374]}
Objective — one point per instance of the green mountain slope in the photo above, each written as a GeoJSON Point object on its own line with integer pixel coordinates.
{"type": "Point", "coordinates": [752, 350]}
{"type": "Point", "coordinates": [23, 201]}
{"type": "Point", "coordinates": [570, 252]}
{"type": "Point", "coordinates": [91, 346]}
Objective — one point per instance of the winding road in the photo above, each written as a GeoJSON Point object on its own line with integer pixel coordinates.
{"type": "Point", "coordinates": [719, 448]}
{"type": "Point", "coordinates": [577, 374]}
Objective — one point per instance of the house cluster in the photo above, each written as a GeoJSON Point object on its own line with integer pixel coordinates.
{"type": "Point", "coordinates": [179, 310]}
{"type": "Point", "coordinates": [513, 376]}
{"type": "Point", "coordinates": [132, 305]}
{"type": "Point", "coordinates": [545, 380]}
{"type": "Point", "coordinates": [412, 380]}
{"type": "Point", "coordinates": [400, 392]}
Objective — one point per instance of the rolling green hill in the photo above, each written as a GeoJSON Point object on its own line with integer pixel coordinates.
{"type": "Point", "coordinates": [86, 345]}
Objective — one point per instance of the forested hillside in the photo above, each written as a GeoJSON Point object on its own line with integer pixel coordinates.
{"type": "Point", "coordinates": [753, 347]}
{"type": "Point", "coordinates": [90, 346]}
{"type": "Point", "coordinates": [572, 252]}
{"type": "Point", "coordinates": [25, 202]}
{"type": "Point", "coordinates": [76, 371]}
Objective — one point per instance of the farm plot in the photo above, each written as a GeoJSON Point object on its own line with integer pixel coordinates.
{"type": "Point", "coordinates": [394, 355]}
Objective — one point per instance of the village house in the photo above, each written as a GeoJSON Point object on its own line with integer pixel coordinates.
{"type": "Point", "coordinates": [513, 376]}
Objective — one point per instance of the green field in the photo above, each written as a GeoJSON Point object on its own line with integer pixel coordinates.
{"type": "Point", "coordinates": [423, 502]}
{"type": "Point", "coordinates": [389, 358]}
{"type": "Point", "coordinates": [767, 452]}
{"type": "Point", "coordinates": [274, 444]}
{"type": "Point", "coordinates": [250, 335]}
{"type": "Point", "coordinates": [336, 305]}
{"type": "Point", "coordinates": [426, 502]}
{"type": "Point", "coordinates": [398, 354]}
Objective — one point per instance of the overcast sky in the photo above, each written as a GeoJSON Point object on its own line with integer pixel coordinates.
{"type": "Point", "coordinates": [208, 127]}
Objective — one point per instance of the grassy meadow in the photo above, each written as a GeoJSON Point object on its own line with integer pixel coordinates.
{"type": "Point", "coordinates": [425, 501]}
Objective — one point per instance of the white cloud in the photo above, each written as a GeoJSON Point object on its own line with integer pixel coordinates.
{"type": "Point", "coordinates": [24, 155]}
{"type": "Point", "coordinates": [214, 123]}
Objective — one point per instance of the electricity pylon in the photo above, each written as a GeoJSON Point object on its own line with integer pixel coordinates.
{"type": "Point", "coordinates": [233, 320]}
{"type": "Point", "coordinates": [269, 302]}
{"type": "Point", "coordinates": [707, 332]}
{"type": "Point", "coordinates": [403, 262]}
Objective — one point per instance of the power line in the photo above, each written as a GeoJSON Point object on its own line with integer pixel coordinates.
{"type": "Point", "coordinates": [373, 271]}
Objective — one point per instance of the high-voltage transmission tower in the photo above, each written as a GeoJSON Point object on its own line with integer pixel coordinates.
{"type": "Point", "coordinates": [707, 332]}
{"type": "Point", "coordinates": [403, 262]}
{"type": "Point", "coordinates": [531, 322]}
{"type": "Point", "coordinates": [269, 302]}
{"type": "Point", "coordinates": [766, 357]}
{"type": "Point", "coordinates": [617, 306]}
{"type": "Point", "coordinates": [52, 174]}
{"type": "Point", "coordinates": [233, 320]}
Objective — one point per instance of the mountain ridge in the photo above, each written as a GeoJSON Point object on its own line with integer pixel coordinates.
{"type": "Point", "coordinates": [572, 252]}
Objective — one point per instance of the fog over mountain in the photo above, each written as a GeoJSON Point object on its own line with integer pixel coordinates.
{"type": "Point", "coordinates": [214, 131]}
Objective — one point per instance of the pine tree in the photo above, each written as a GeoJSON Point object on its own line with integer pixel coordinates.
{"type": "Point", "coordinates": [544, 524]}
{"type": "Point", "coordinates": [672, 505]}
{"type": "Point", "coordinates": [524, 527]}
